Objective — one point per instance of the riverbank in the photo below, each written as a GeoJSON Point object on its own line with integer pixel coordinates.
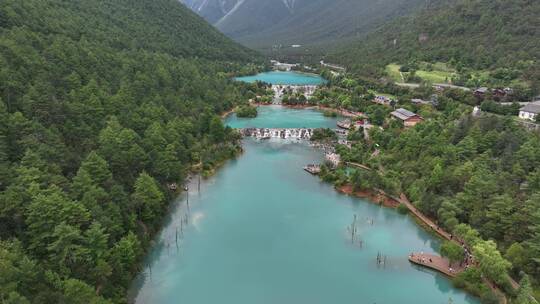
{"type": "Point", "coordinates": [373, 196]}
{"type": "Point", "coordinates": [381, 198]}
{"type": "Point", "coordinates": [341, 112]}
{"type": "Point", "coordinates": [227, 113]}
{"type": "Point", "coordinates": [284, 78]}
{"type": "Point", "coordinates": [434, 262]}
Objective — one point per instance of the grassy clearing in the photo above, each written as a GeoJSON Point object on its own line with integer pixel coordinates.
{"type": "Point", "coordinates": [435, 76]}
{"type": "Point", "coordinates": [393, 72]}
{"type": "Point", "coordinates": [438, 72]}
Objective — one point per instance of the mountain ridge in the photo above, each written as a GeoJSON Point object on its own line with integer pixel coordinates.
{"type": "Point", "coordinates": [262, 24]}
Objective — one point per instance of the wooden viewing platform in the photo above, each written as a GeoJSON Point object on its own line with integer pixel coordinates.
{"type": "Point", "coordinates": [344, 124]}
{"type": "Point", "coordinates": [313, 169]}
{"type": "Point", "coordinates": [436, 262]}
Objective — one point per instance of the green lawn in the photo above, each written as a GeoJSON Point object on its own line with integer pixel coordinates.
{"type": "Point", "coordinates": [393, 72]}
{"type": "Point", "coordinates": [440, 72]}
{"type": "Point", "coordinates": [435, 76]}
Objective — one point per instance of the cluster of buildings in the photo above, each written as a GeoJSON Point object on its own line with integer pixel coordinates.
{"type": "Point", "coordinates": [382, 100]}
{"type": "Point", "coordinates": [408, 118]}
{"type": "Point", "coordinates": [529, 111]}
{"type": "Point", "coordinates": [497, 93]}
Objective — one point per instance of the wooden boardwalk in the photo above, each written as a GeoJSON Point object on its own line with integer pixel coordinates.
{"type": "Point", "coordinates": [436, 262]}
{"type": "Point", "coordinates": [426, 220]}
{"type": "Point", "coordinates": [357, 165]}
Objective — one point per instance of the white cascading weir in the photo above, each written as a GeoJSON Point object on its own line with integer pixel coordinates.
{"type": "Point", "coordinates": [267, 133]}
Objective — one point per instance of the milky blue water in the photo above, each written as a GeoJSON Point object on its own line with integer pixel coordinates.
{"type": "Point", "coordinates": [285, 78]}
{"type": "Point", "coordinates": [276, 116]}
{"type": "Point", "coordinates": [263, 231]}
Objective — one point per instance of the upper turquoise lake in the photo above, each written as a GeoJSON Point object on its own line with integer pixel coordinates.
{"type": "Point", "coordinates": [263, 231]}
{"type": "Point", "coordinates": [285, 78]}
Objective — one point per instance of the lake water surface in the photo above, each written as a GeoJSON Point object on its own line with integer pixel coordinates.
{"type": "Point", "coordinates": [263, 231]}
{"type": "Point", "coordinates": [276, 116]}
{"type": "Point", "coordinates": [285, 78]}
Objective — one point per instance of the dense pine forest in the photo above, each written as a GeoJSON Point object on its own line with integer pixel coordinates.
{"type": "Point", "coordinates": [494, 35]}
{"type": "Point", "coordinates": [478, 176]}
{"type": "Point", "coordinates": [102, 105]}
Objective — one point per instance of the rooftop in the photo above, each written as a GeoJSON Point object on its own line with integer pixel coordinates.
{"type": "Point", "coordinates": [533, 107]}
{"type": "Point", "coordinates": [403, 114]}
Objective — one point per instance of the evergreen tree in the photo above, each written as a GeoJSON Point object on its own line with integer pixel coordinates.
{"type": "Point", "coordinates": [147, 198]}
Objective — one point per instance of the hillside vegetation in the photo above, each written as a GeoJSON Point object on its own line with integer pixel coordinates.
{"type": "Point", "coordinates": [477, 175]}
{"type": "Point", "coordinates": [102, 104]}
{"type": "Point", "coordinates": [496, 35]}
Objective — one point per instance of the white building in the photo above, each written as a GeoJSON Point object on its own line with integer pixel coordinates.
{"type": "Point", "coordinates": [530, 111]}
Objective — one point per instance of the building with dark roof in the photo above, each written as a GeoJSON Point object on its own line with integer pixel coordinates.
{"type": "Point", "coordinates": [409, 118]}
{"type": "Point", "coordinates": [530, 111]}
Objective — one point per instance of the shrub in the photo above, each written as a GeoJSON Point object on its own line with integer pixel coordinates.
{"type": "Point", "coordinates": [402, 209]}
{"type": "Point", "coordinates": [328, 113]}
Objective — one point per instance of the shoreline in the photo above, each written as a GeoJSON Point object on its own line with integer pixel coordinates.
{"type": "Point", "coordinates": [341, 112]}
{"type": "Point", "coordinates": [374, 197]}
{"type": "Point", "coordinates": [308, 74]}
{"type": "Point", "coordinates": [380, 198]}
{"type": "Point", "coordinates": [227, 113]}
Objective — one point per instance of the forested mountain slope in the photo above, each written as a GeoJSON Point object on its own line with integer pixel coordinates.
{"type": "Point", "coordinates": [102, 104]}
{"type": "Point", "coordinates": [264, 23]}
{"type": "Point", "coordinates": [479, 34]}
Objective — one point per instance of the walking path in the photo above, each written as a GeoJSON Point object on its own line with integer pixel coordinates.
{"type": "Point", "coordinates": [342, 112]}
{"type": "Point", "coordinates": [357, 165]}
{"type": "Point", "coordinates": [405, 201]}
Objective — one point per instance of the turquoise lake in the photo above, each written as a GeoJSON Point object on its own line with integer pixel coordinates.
{"type": "Point", "coordinates": [285, 78]}
{"type": "Point", "coordinates": [276, 116]}
{"type": "Point", "coordinates": [263, 231]}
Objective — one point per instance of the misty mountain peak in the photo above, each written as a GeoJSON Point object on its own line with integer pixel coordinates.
{"type": "Point", "coordinates": [263, 23]}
